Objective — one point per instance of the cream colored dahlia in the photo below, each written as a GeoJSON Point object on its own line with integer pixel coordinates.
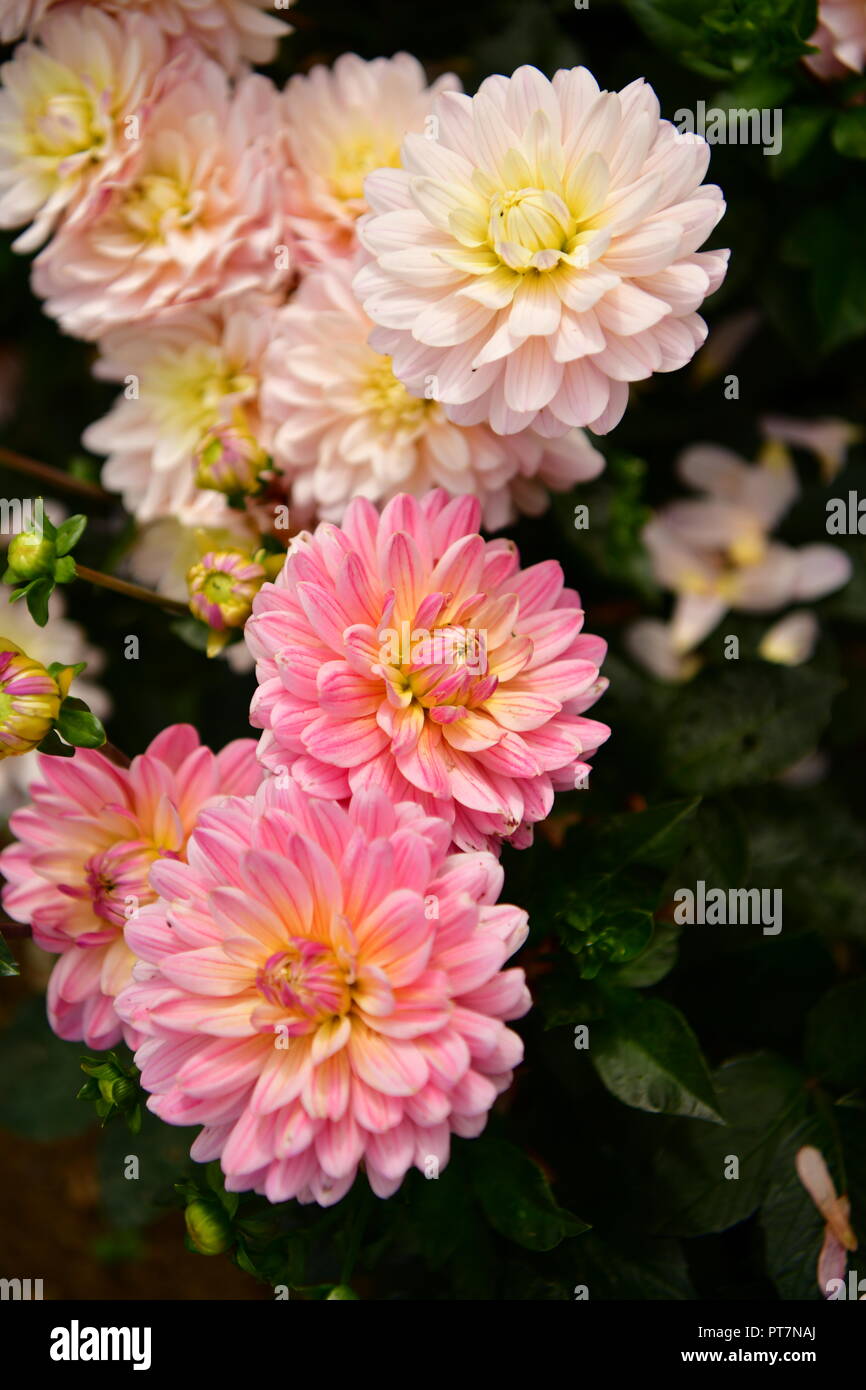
{"type": "Point", "coordinates": [343, 426]}
{"type": "Point", "coordinates": [541, 251]}
{"type": "Point", "coordinates": [230, 30]}
{"type": "Point", "coordinates": [194, 212]}
{"type": "Point", "coordinates": [182, 376]}
{"type": "Point", "coordinates": [342, 123]}
{"type": "Point", "coordinates": [71, 106]}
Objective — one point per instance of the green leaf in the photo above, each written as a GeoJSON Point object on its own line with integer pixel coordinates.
{"type": "Point", "coordinates": [69, 533]}
{"type": "Point", "coordinates": [64, 570]}
{"type": "Point", "coordinates": [719, 849]}
{"type": "Point", "coordinates": [193, 633]}
{"type": "Point", "coordinates": [8, 963]}
{"type": "Point", "coordinates": [836, 1036]}
{"type": "Point", "coordinates": [826, 240]}
{"type": "Point", "coordinates": [79, 727]}
{"type": "Point", "coordinates": [653, 963]}
{"type": "Point", "coordinates": [743, 723]}
{"type": "Point", "coordinates": [723, 37]}
{"type": "Point", "coordinates": [803, 127]}
{"type": "Point", "coordinates": [762, 1098]}
{"type": "Point", "coordinates": [608, 918]}
{"type": "Point", "coordinates": [849, 133]}
{"type": "Point", "coordinates": [636, 1267]}
{"type": "Point", "coordinates": [38, 594]}
{"type": "Point", "coordinates": [643, 837]}
{"type": "Point", "coordinates": [516, 1197]}
{"type": "Point", "coordinates": [648, 1057]}
{"type": "Point", "coordinates": [53, 745]}
{"type": "Point", "coordinates": [39, 1079]}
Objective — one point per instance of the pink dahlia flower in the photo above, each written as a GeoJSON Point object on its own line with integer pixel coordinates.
{"type": "Point", "coordinates": [541, 251]}
{"type": "Point", "coordinates": [78, 869]}
{"type": "Point", "coordinates": [406, 652]}
{"type": "Point", "coordinates": [342, 123]}
{"type": "Point", "coordinates": [343, 426]}
{"type": "Point", "coordinates": [230, 30]}
{"type": "Point", "coordinates": [67, 109]}
{"type": "Point", "coordinates": [184, 375]}
{"type": "Point", "coordinates": [193, 213]}
{"type": "Point", "coordinates": [322, 988]}
{"type": "Point", "coordinates": [840, 39]}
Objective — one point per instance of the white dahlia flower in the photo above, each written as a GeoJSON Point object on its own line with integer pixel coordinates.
{"type": "Point", "coordinates": [541, 251]}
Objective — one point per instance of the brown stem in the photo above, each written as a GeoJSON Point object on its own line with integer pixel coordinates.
{"type": "Point", "coordinates": [54, 477]}
{"type": "Point", "coordinates": [114, 755]}
{"type": "Point", "coordinates": [120, 586]}
{"type": "Point", "coordinates": [12, 929]}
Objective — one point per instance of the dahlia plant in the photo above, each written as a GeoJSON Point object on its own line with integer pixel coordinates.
{"type": "Point", "coordinates": [412, 738]}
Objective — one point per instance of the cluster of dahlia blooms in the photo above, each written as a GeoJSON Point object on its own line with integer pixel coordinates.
{"type": "Point", "coordinates": [305, 947]}
{"type": "Point", "coordinates": [383, 311]}
{"type": "Point", "coordinates": [716, 552]}
{"type": "Point", "coordinates": [359, 285]}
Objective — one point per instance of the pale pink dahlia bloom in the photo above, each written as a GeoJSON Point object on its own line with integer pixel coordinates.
{"type": "Point", "coordinates": [19, 16]}
{"type": "Point", "coordinates": [541, 252]}
{"type": "Point", "coordinates": [342, 123]}
{"type": "Point", "coordinates": [343, 426]}
{"type": "Point", "coordinates": [182, 376]}
{"type": "Point", "coordinates": [406, 652]}
{"type": "Point", "coordinates": [716, 551]}
{"type": "Point", "coordinates": [322, 988]}
{"type": "Point", "coordinates": [78, 869]}
{"type": "Point", "coordinates": [840, 39]}
{"type": "Point", "coordinates": [230, 30]}
{"type": "Point", "coordinates": [68, 109]}
{"type": "Point", "coordinates": [194, 212]}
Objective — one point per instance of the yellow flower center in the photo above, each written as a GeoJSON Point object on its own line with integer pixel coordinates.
{"type": "Point", "coordinates": [65, 126]}
{"type": "Point", "coordinates": [533, 219]}
{"type": "Point", "coordinates": [387, 398]}
{"type": "Point", "coordinates": [748, 549]}
{"type": "Point", "coordinates": [355, 159]}
{"type": "Point", "coordinates": [156, 205]}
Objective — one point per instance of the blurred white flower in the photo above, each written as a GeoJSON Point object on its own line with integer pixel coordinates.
{"type": "Point", "coordinates": [651, 644]}
{"type": "Point", "coordinates": [715, 552]}
{"type": "Point", "coordinates": [791, 640]}
{"type": "Point", "coordinates": [829, 439]}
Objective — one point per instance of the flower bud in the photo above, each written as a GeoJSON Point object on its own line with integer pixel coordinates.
{"type": "Point", "coordinates": [208, 1227]}
{"type": "Point", "coordinates": [29, 701]}
{"type": "Point", "coordinates": [229, 458]}
{"type": "Point", "coordinates": [341, 1293]}
{"type": "Point", "coordinates": [31, 555]}
{"type": "Point", "coordinates": [222, 587]}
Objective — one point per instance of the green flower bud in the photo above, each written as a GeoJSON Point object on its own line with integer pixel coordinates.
{"type": "Point", "coordinates": [342, 1292]}
{"type": "Point", "coordinates": [31, 555]}
{"type": "Point", "coordinates": [208, 1227]}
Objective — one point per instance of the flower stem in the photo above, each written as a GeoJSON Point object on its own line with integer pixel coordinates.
{"type": "Point", "coordinates": [120, 586]}
{"type": "Point", "coordinates": [12, 929]}
{"type": "Point", "coordinates": [54, 477]}
{"type": "Point", "coordinates": [114, 755]}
